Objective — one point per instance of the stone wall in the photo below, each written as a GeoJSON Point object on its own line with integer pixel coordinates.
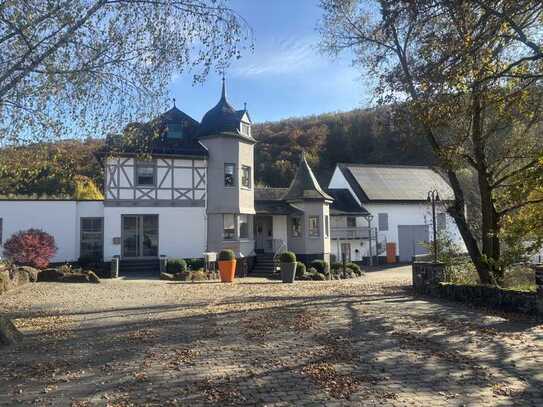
{"type": "Point", "coordinates": [429, 279]}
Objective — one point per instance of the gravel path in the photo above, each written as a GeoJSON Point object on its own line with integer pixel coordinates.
{"type": "Point", "coordinates": [365, 341]}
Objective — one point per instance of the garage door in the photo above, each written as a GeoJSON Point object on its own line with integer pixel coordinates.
{"type": "Point", "coordinates": [410, 239]}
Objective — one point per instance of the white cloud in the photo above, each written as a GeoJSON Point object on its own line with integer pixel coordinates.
{"type": "Point", "coordinates": [279, 57]}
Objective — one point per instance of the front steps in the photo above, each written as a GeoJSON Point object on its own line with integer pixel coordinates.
{"type": "Point", "coordinates": [264, 265]}
{"type": "Point", "coordinates": [139, 266]}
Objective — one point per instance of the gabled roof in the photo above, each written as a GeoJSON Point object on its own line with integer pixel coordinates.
{"type": "Point", "coordinates": [344, 203]}
{"type": "Point", "coordinates": [152, 138]}
{"type": "Point", "coordinates": [305, 185]}
{"type": "Point", "coordinates": [223, 119]}
{"type": "Point", "coordinates": [397, 183]}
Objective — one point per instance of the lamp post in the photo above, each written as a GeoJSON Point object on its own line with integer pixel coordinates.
{"type": "Point", "coordinates": [433, 198]}
{"type": "Point", "coordinates": [369, 218]}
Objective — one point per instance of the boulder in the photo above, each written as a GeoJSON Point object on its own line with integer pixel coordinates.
{"type": "Point", "coordinates": [20, 277]}
{"type": "Point", "coordinates": [9, 335]}
{"type": "Point", "coordinates": [50, 275]}
{"type": "Point", "coordinates": [31, 271]}
{"type": "Point", "coordinates": [182, 276]}
{"type": "Point", "coordinates": [75, 278]}
{"type": "Point", "coordinates": [167, 276]}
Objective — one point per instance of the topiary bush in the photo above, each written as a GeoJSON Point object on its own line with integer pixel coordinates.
{"type": "Point", "coordinates": [300, 269]}
{"type": "Point", "coordinates": [287, 257]}
{"type": "Point", "coordinates": [32, 247]}
{"type": "Point", "coordinates": [355, 268]}
{"type": "Point", "coordinates": [321, 266]}
{"type": "Point", "coordinates": [226, 255]}
{"type": "Point", "coordinates": [175, 266]}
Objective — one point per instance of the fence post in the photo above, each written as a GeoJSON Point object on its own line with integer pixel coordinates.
{"type": "Point", "coordinates": [539, 288]}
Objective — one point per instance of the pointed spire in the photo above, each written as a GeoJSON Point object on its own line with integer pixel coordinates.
{"type": "Point", "coordinates": [245, 106]}
{"type": "Point", "coordinates": [173, 102]}
{"type": "Point", "coordinates": [305, 185]}
{"type": "Point", "coordinates": [223, 93]}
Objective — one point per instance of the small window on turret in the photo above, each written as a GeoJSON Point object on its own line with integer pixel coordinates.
{"type": "Point", "coordinates": [246, 129]}
{"type": "Point", "coordinates": [175, 131]}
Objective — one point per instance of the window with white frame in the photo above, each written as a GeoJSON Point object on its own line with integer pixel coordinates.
{"type": "Point", "coordinates": [296, 227]}
{"type": "Point", "coordinates": [229, 227]}
{"type": "Point", "coordinates": [246, 176]}
{"type": "Point", "coordinates": [245, 129]}
{"type": "Point", "coordinates": [229, 175]}
{"type": "Point", "coordinates": [314, 226]}
{"type": "Point", "coordinates": [383, 221]}
{"type": "Point", "coordinates": [243, 222]}
{"type": "Point", "coordinates": [145, 173]}
{"type": "Point", "coordinates": [351, 221]}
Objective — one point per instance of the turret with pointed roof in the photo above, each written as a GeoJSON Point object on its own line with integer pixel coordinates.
{"type": "Point", "coordinates": [223, 119]}
{"type": "Point", "coordinates": [305, 185]}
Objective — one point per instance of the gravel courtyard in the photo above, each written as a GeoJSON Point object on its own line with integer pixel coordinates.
{"type": "Point", "coordinates": [365, 342]}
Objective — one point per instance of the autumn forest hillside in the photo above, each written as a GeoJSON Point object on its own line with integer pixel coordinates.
{"type": "Point", "coordinates": [359, 136]}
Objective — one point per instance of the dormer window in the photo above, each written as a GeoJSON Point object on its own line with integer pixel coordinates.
{"type": "Point", "coordinates": [175, 131]}
{"type": "Point", "coordinates": [245, 129]}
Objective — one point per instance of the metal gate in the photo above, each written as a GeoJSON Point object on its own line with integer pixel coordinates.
{"type": "Point", "coordinates": [411, 239]}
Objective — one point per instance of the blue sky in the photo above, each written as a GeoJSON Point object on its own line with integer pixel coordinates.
{"type": "Point", "coordinates": [285, 76]}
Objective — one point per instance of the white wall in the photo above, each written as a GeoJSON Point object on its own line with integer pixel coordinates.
{"type": "Point", "coordinates": [181, 230]}
{"type": "Point", "coordinates": [58, 218]}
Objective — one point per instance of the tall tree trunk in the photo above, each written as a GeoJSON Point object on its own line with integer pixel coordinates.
{"type": "Point", "coordinates": [489, 218]}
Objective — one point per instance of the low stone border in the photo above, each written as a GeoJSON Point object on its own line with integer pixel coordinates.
{"type": "Point", "coordinates": [429, 279]}
{"type": "Point", "coordinates": [13, 278]}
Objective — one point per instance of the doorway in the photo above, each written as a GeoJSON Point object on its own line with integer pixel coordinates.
{"type": "Point", "coordinates": [412, 240]}
{"type": "Point", "coordinates": [264, 234]}
{"type": "Point", "coordinates": [139, 236]}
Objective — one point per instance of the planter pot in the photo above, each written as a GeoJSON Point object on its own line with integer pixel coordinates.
{"type": "Point", "coordinates": [288, 272]}
{"type": "Point", "coordinates": [227, 270]}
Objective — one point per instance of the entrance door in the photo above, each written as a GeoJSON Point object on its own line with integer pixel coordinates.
{"type": "Point", "coordinates": [346, 251]}
{"type": "Point", "coordinates": [140, 236]}
{"type": "Point", "coordinates": [264, 233]}
{"type": "Point", "coordinates": [411, 239]}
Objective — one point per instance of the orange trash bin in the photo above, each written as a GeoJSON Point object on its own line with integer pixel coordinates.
{"type": "Point", "coordinates": [391, 253]}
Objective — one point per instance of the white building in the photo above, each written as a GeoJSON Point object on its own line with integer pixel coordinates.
{"type": "Point", "coordinates": [393, 201]}
{"type": "Point", "coordinates": [176, 187]}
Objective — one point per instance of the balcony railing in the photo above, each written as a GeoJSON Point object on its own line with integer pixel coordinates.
{"type": "Point", "coordinates": [349, 233]}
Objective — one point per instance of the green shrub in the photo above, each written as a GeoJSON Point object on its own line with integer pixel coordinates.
{"type": "Point", "coordinates": [519, 278]}
{"type": "Point", "coordinates": [226, 255]}
{"type": "Point", "coordinates": [335, 267]}
{"type": "Point", "coordinates": [300, 269]}
{"type": "Point", "coordinates": [355, 268]}
{"type": "Point", "coordinates": [287, 257]}
{"type": "Point", "coordinates": [321, 266]}
{"type": "Point", "coordinates": [176, 266]}
{"type": "Point", "coordinates": [195, 263]}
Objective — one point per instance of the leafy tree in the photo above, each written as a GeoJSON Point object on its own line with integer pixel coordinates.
{"type": "Point", "coordinates": [84, 67]}
{"type": "Point", "coordinates": [86, 189]}
{"type": "Point", "coordinates": [32, 247]}
{"type": "Point", "coordinates": [467, 76]}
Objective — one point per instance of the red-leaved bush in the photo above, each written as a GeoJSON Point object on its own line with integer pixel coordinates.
{"type": "Point", "coordinates": [32, 247]}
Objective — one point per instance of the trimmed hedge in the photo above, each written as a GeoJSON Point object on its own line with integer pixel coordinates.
{"type": "Point", "coordinates": [195, 263]}
{"type": "Point", "coordinates": [321, 266]}
{"type": "Point", "coordinates": [287, 257]}
{"type": "Point", "coordinates": [300, 269]}
{"type": "Point", "coordinates": [176, 266]}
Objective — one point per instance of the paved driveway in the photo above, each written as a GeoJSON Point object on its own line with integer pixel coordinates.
{"type": "Point", "coordinates": [365, 341]}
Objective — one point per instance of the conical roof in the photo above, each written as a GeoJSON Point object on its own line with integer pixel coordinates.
{"type": "Point", "coordinates": [222, 119]}
{"type": "Point", "coordinates": [305, 185]}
